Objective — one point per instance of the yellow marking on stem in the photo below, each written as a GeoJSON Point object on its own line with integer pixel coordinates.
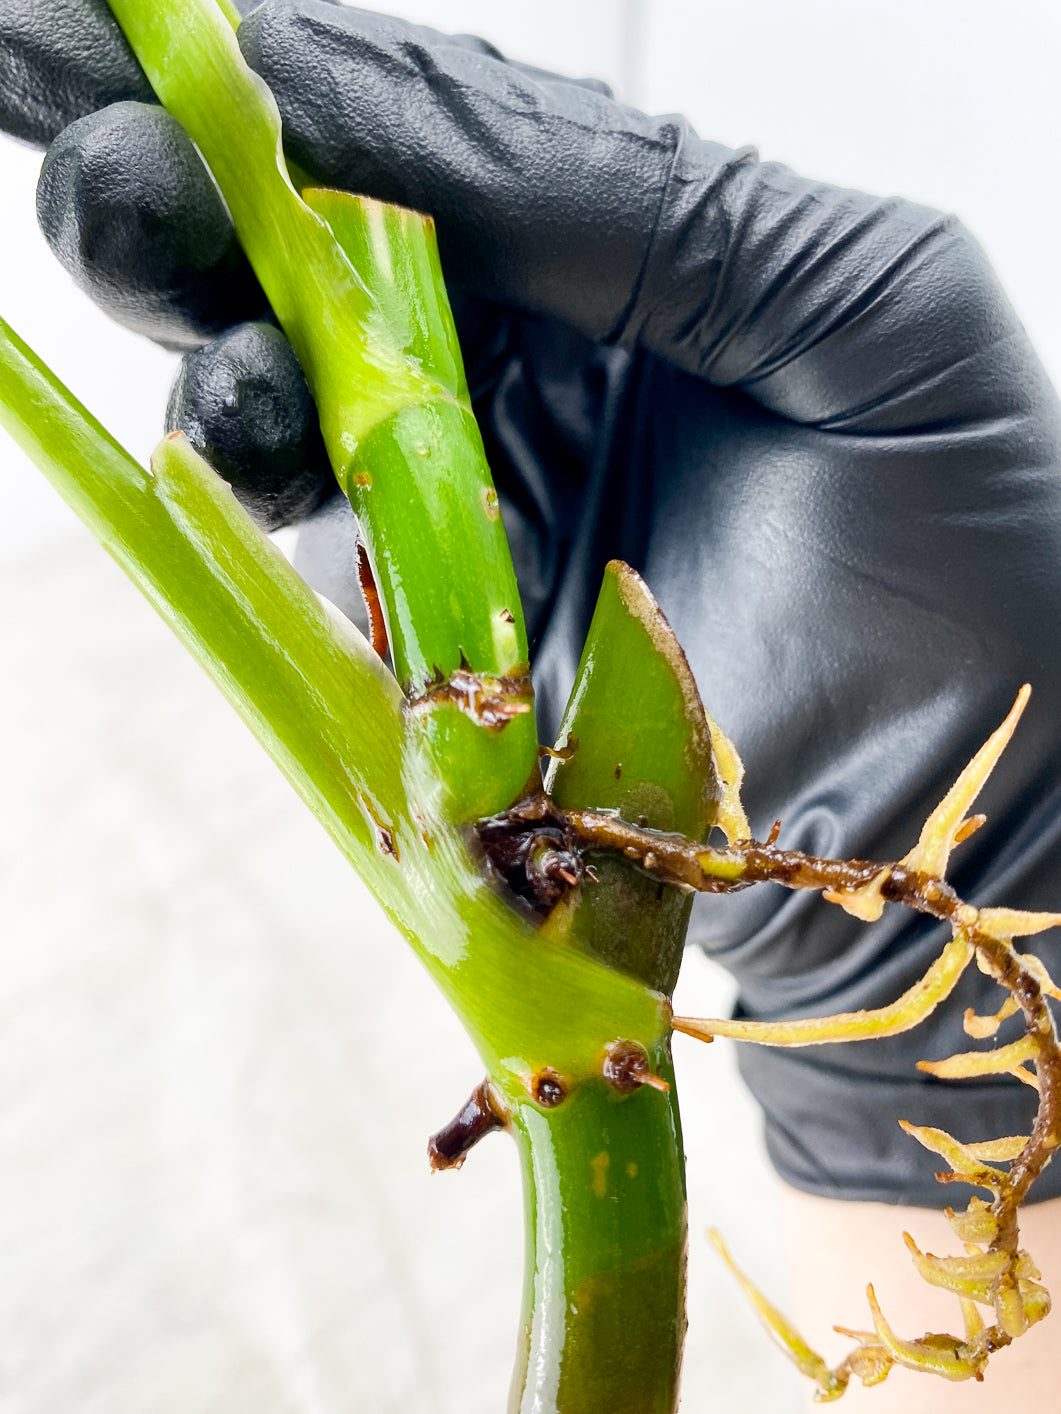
{"type": "Point", "coordinates": [599, 1165]}
{"type": "Point", "coordinates": [941, 829]}
{"type": "Point", "coordinates": [719, 865]}
{"type": "Point", "coordinates": [901, 1015]}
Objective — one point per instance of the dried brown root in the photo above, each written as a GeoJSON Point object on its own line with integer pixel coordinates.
{"type": "Point", "coordinates": [481, 1113]}
{"type": "Point", "coordinates": [994, 1272]}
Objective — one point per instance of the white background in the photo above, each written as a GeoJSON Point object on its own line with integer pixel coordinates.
{"type": "Point", "coordinates": [217, 1065]}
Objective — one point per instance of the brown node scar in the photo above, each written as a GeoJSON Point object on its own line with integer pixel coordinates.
{"type": "Point", "coordinates": [548, 1088]}
{"type": "Point", "coordinates": [626, 1068]}
{"type": "Point", "coordinates": [385, 838]}
{"type": "Point", "coordinates": [489, 701]}
{"type": "Point", "coordinates": [370, 594]}
{"type": "Point", "coordinates": [481, 1113]}
{"type": "Point", "coordinates": [560, 753]}
{"type": "Point", "coordinates": [530, 849]}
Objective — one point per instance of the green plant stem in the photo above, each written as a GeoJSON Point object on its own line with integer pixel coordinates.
{"type": "Point", "coordinates": [330, 714]}
{"type": "Point", "coordinates": [604, 1173]}
{"type": "Point", "coordinates": [604, 1311]}
{"type": "Point", "coordinates": [358, 290]}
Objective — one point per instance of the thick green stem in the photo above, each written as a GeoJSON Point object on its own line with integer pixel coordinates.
{"type": "Point", "coordinates": [604, 1187]}
{"type": "Point", "coordinates": [358, 290]}
{"type": "Point", "coordinates": [331, 715]}
{"type": "Point", "coordinates": [604, 1172]}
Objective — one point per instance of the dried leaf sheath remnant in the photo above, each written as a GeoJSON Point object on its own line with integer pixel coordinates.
{"type": "Point", "coordinates": [373, 607]}
{"type": "Point", "coordinates": [993, 1272]}
{"type": "Point", "coordinates": [489, 700]}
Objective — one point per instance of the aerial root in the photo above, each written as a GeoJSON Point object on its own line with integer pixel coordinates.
{"type": "Point", "coordinates": [948, 823]}
{"type": "Point", "coordinates": [831, 1383]}
{"type": "Point", "coordinates": [942, 1355]}
{"type": "Point", "coordinates": [480, 1113]}
{"type": "Point", "coordinates": [994, 1274]}
{"type": "Point", "coordinates": [1006, 1060]}
{"type": "Point", "coordinates": [902, 1015]}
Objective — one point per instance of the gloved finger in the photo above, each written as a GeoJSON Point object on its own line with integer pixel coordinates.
{"type": "Point", "coordinates": [60, 61]}
{"type": "Point", "coordinates": [129, 209]}
{"type": "Point", "coordinates": [424, 34]}
{"type": "Point", "coordinates": [823, 303]}
{"type": "Point", "coordinates": [244, 404]}
{"type": "Point", "coordinates": [124, 199]}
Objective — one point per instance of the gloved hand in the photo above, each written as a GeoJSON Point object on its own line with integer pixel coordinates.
{"type": "Point", "coordinates": [809, 417]}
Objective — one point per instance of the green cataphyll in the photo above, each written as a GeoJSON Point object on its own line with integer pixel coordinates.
{"type": "Point", "coordinates": [509, 886]}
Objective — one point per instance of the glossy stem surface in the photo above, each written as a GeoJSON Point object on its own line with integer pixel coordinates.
{"type": "Point", "coordinates": [330, 714]}
{"type": "Point", "coordinates": [357, 288]}
{"type": "Point", "coordinates": [604, 1311]}
{"type": "Point", "coordinates": [604, 1171]}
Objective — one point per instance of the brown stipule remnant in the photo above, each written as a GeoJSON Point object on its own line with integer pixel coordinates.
{"type": "Point", "coordinates": [548, 1088]}
{"type": "Point", "coordinates": [370, 594]}
{"type": "Point", "coordinates": [531, 850]}
{"type": "Point", "coordinates": [480, 1114]}
{"type": "Point", "coordinates": [560, 753]}
{"type": "Point", "coordinates": [626, 1068]}
{"type": "Point", "coordinates": [489, 701]}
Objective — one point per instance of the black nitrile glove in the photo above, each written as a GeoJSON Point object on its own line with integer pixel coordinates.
{"type": "Point", "coordinates": [810, 419]}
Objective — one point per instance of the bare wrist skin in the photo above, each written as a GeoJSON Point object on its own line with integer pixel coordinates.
{"type": "Point", "coordinates": [834, 1248]}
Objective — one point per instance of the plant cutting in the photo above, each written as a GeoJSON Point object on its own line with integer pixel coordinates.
{"type": "Point", "coordinates": [570, 894]}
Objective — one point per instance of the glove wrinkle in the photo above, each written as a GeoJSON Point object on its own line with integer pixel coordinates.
{"type": "Point", "coordinates": [544, 192]}
{"type": "Point", "coordinates": [132, 214]}
{"type": "Point", "coordinates": [60, 61]}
